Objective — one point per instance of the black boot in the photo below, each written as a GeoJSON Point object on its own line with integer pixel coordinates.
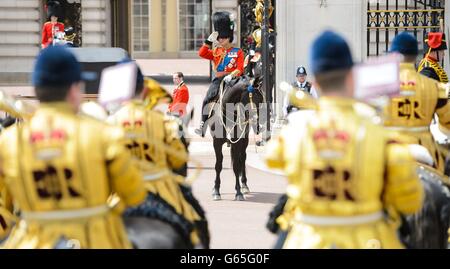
{"type": "Point", "coordinates": [201, 130]}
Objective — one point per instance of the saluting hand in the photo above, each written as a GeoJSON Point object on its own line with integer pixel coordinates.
{"type": "Point", "coordinates": [213, 38]}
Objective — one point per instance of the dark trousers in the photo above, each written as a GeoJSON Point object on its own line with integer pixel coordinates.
{"type": "Point", "coordinates": [211, 94]}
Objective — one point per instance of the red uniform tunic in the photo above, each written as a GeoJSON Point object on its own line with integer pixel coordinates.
{"type": "Point", "coordinates": [225, 61]}
{"type": "Point", "coordinates": [48, 32]}
{"type": "Point", "coordinates": [180, 100]}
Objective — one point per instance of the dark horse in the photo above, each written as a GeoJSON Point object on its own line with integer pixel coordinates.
{"type": "Point", "coordinates": [236, 111]}
{"type": "Point", "coordinates": [429, 228]}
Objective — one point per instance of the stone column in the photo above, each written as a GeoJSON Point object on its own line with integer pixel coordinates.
{"type": "Point", "coordinates": [172, 26]}
{"type": "Point", "coordinates": [156, 40]}
{"type": "Point", "coordinates": [284, 47]}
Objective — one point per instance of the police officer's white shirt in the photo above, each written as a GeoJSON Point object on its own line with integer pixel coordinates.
{"type": "Point", "coordinates": [313, 92]}
{"type": "Point", "coordinates": [301, 85]}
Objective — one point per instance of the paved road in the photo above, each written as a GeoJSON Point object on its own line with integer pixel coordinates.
{"type": "Point", "coordinates": [236, 225]}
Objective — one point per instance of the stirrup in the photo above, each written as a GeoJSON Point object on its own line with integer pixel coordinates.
{"type": "Point", "coordinates": [201, 130]}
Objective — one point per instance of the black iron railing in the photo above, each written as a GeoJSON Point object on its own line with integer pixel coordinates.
{"type": "Point", "coordinates": [386, 18]}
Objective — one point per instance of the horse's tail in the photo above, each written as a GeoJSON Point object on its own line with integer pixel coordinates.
{"type": "Point", "coordinates": [201, 225]}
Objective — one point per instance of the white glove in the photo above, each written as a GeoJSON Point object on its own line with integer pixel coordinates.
{"type": "Point", "coordinates": [228, 78]}
{"type": "Point", "coordinates": [213, 38]}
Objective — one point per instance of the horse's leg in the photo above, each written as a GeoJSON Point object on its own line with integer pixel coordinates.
{"type": "Point", "coordinates": [236, 157]}
{"type": "Point", "coordinates": [218, 143]}
{"type": "Point", "coordinates": [244, 189]}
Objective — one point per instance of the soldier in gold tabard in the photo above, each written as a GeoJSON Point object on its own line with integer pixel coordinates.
{"type": "Point", "coordinates": [6, 212]}
{"type": "Point", "coordinates": [348, 177]}
{"type": "Point", "coordinates": [61, 169]}
{"type": "Point", "coordinates": [420, 99]}
{"type": "Point", "coordinates": [430, 66]}
{"type": "Point", "coordinates": [155, 144]}
{"type": "Point", "coordinates": [16, 109]}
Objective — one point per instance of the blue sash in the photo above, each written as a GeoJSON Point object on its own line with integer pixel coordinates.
{"type": "Point", "coordinates": [226, 60]}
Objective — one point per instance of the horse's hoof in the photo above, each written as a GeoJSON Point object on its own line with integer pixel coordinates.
{"type": "Point", "coordinates": [217, 197]}
{"type": "Point", "coordinates": [239, 197]}
{"type": "Point", "coordinates": [245, 190]}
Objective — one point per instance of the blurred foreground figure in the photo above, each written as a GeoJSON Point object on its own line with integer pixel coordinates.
{"type": "Point", "coordinates": [430, 66]}
{"type": "Point", "coordinates": [349, 177]}
{"type": "Point", "coordinates": [420, 99]}
{"type": "Point", "coordinates": [412, 113]}
{"type": "Point", "coordinates": [155, 144]}
{"type": "Point", "coordinates": [61, 169]}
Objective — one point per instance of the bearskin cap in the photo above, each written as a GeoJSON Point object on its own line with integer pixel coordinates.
{"type": "Point", "coordinates": [54, 8]}
{"type": "Point", "coordinates": [224, 25]}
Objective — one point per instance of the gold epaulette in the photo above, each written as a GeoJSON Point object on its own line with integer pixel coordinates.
{"type": "Point", "coordinates": [438, 69]}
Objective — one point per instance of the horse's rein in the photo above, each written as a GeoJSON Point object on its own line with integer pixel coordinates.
{"type": "Point", "coordinates": [222, 115]}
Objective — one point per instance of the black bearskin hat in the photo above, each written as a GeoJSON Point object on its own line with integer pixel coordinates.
{"type": "Point", "coordinates": [224, 25]}
{"type": "Point", "coordinates": [53, 9]}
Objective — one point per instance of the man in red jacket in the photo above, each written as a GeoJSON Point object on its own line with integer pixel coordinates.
{"type": "Point", "coordinates": [228, 61]}
{"type": "Point", "coordinates": [180, 95]}
{"type": "Point", "coordinates": [52, 27]}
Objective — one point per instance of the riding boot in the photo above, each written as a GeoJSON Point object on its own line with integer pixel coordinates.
{"type": "Point", "coordinates": [201, 130]}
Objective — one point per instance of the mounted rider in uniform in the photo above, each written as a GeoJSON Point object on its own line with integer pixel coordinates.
{"type": "Point", "coordinates": [228, 61]}
{"type": "Point", "coordinates": [154, 141]}
{"type": "Point", "coordinates": [420, 99]}
{"type": "Point", "coordinates": [436, 45]}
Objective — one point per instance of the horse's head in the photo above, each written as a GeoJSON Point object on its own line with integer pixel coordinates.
{"type": "Point", "coordinates": [254, 68]}
{"type": "Point", "coordinates": [254, 64]}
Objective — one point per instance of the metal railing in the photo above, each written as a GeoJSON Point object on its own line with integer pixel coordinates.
{"type": "Point", "coordinates": [386, 18]}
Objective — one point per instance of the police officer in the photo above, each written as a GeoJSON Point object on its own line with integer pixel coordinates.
{"type": "Point", "coordinates": [344, 170]}
{"type": "Point", "coordinates": [301, 84]}
{"type": "Point", "coordinates": [420, 98]}
{"type": "Point", "coordinates": [61, 169]}
{"type": "Point", "coordinates": [154, 142]}
{"type": "Point", "coordinates": [436, 45]}
{"type": "Point", "coordinates": [228, 60]}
